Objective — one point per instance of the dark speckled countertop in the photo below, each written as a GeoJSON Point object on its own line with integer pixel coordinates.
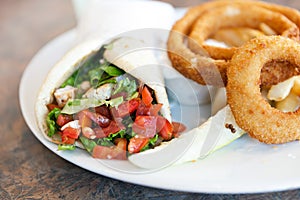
{"type": "Point", "coordinates": [28, 170]}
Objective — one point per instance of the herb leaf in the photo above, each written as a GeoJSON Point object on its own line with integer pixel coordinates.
{"type": "Point", "coordinates": [126, 85]}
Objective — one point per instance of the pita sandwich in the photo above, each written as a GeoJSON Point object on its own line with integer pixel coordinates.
{"type": "Point", "coordinates": [96, 80]}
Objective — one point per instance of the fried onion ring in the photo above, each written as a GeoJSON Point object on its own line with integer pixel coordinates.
{"type": "Point", "coordinates": [237, 36]}
{"type": "Point", "coordinates": [237, 16]}
{"type": "Point", "coordinates": [251, 111]}
{"type": "Point", "coordinates": [199, 66]}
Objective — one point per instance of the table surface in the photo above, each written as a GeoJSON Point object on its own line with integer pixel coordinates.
{"type": "Point", "coordinates": [25, 26]}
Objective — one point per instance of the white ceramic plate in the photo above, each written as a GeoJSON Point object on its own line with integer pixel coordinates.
{"type": "Point", "coordinates": [245, 166]}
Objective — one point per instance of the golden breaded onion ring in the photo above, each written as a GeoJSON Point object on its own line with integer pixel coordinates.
{"type": "Point", "coordinates": [236, 16]}
{"type": "Point", "coordinates": [204, 69]}
{"type": "Point", "coordinates": [251, 111]}
{"type": "Point", "coordinates": [236, 36]}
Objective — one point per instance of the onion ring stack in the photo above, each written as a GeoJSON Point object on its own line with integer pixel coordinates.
{"type": "Point", "coordinates": [263, 50]}
{"type": "Point", "coordinates": [208, 65]}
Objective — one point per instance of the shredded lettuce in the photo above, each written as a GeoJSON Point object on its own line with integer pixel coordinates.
{"type": "Point", "coordinates": [97, 75]}
{"type": "Point", "coordinates": [76, 105]}
{"type": "Point", "coordinates": [82, 74]}
{"type": "Point", "coordinates": [104, 73]}
{"type": "Point", "coordinates": [64, 147]}
{"type": "Point", "coordinates": [114, 81]}
{"type": "Point", "coordinates": [112, 70]}
{"type": "Point", "coordinates": [94, 69]}
{"type": "Point", "coordinates": [151, 143]}
{"type": "Point", "coordinates": [119, 134]}
{"type": "Point", "coordinates": [109, 140]}
{"type": "Point", "coordinates": [88, 144]}
{"type": "Point", "coordinates": [105, 142]}
{"type": "Point", "coordinates": [135, 95]}
{"type": "Point", "coordinates": [51, 121]}
{"type": "Point", "coordinates": [126, 85]}
{"type": "Point", "coordinates": [71, 80]}
{"type": "Point", "coordinates": [115, 102]}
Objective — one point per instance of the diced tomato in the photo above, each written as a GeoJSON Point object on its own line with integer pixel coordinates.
{"type": "Point", "coordinates": [114, 152]}
{"type": "Point", "coordinates": [62, 119]}
{"type": "Point", "coordinates": [139, 129]}
{"type": "Point", "coordinates": [133, 105]}
{"type": "Point", "coordinates": [136, 144]}
{"type": "Point", "coordinates": [121, 144]}
{"type": "Point", "coordinates": [155, 108]}
{"type": "Point", "coordinates": [120, 94]}
{"type": "Point", "coordinates": [88, 132]}
{"type": "Point", "coordinates": [160, 123]}
{"type": "Point", "coordinates": [126, 108]}
{"type": "Point", "coordinates": [51, 106]}
{"type": "Point", "coordinates": [143, 109]}
{"type": "Point", "coordinates": [84, 120]}
{"type": "Point", "coordinates": [103, 110]}
{"type": "Point", "coordinates": [69, 135]}
{"type": "Point", "coordinates": [151, 110]}
{"type": "Point", "coordinates": [101, 120]}
{"type": "Point", "coordinates": [113, 127]}
{"type": "Point", "coordinates": [66, 140]}
{"type": "Point", "coordinates": [102, 152]}
{"type": "Point", "coordinates": [164, 128]}
{"type": "Point", "coordinates": [146, 96]}
{"type": "Point", "coordinates": [178, 128]}
{"type": "Point", "coordinates": [145, 126]}
{"type": "Point", "coordinates": [71, 132]}
{"type": "Point", "coordinates": [100, 133]}
{"type": "Point", "coordinates": [119, 120]}
{"type": "Point", "coordinates": [167, 131]}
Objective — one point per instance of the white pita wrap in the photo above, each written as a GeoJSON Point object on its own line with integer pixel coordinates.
{"type": "Point", "coordinates": [140, 64]}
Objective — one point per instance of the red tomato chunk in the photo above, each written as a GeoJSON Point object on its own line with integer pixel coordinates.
{"type": "Point", "coordinates": [112, 128]}
{"type": "Point", "coordinates": [136, 144]}
{"type": "Point", "coordinates": [63, 119]}
{"type": "Point", "coordinates": [164, 128]}
{"type": "Point", "coordinates": [145, 126]}
{"type": "Point", "coordinates": [126, 108]}
{"type": "Point", "coordinates": [146, 96]}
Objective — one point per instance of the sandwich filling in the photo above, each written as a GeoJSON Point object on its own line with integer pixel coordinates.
{"type": "Point", "coordinates": [106, 111]}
